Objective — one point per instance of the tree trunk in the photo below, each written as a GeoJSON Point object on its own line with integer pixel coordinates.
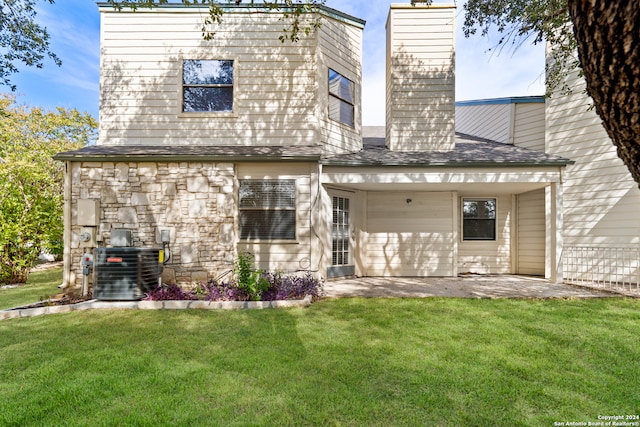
{"type": "Point", "coordinates": [608, 37]}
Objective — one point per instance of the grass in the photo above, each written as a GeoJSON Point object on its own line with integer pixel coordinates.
{"type": "Point", "coordinates": [347, 362]}
{"type": "Point", "coordinates": [41, 285]}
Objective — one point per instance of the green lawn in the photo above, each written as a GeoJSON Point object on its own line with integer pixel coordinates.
{"type": "Point", "coordinates": [41, 285]}
{"type": "Point", "coordinates": [349, 362]}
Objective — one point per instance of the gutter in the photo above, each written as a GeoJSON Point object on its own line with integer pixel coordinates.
{"type": "Point", "coordinates": [448, 164]}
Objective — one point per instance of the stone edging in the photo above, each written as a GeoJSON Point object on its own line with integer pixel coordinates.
{"type": "Point", "coordinates": [153, 305]}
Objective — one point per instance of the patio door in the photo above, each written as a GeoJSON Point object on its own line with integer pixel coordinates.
{"type": "Point", "coordinates": [341, 237]}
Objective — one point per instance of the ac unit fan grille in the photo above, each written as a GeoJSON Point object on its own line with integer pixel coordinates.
{"type": "Point", "coordinates": [125, 273]}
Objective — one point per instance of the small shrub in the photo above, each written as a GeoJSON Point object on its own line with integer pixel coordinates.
{"type": "Point", "coordinates": [291, 287]}
{"type": "Point", "coordinates": [224, 291]}
{"type": "Point", "coordinates": [249, 284]}
{"type": "Point", "coordinates": [250, 280]}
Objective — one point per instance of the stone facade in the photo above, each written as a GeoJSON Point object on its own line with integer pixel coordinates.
{"type": "Point", "coordinates": [195, 201]}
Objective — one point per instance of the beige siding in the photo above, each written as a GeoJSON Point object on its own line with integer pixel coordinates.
{"type": "Point", "coordinates": [274, 83]}
{"type": "Point", "coordinates": [420, 78]}
{"type": "Point", "coordinates": [531, 233]}
{"type": "Point", "coordinates": [489, 257]}
{"type": "Point", "coordinates": [518, 123]}
{"type": "Point", "coordinates": [529, 126]}
{"type": "Point", "coordinates": [490, 121]}
{"type": "Point", "coordinates": [409, 239]}
{"type": "Point", "coordinates": [284, 255]}
{"type": "Point", "coordinates": [601, 200]}
{"type": "Point", "coordinates": [340, 49]}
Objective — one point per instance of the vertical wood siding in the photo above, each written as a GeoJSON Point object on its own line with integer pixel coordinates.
{"type": "Point", "coordinates": [420, 78]}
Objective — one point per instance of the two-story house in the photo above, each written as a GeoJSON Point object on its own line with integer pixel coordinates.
{"type": "Point", "coordinates": [243, 143]}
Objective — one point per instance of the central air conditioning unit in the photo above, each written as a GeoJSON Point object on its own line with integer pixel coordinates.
{"type": "Point", "coordinates": [125, 273]}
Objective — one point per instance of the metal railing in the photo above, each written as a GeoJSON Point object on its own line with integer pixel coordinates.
{"type": "Point", "coordinates": [614, 268]}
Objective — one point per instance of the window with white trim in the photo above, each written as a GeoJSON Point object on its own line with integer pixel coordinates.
{"type": "Point", "coordinates": [479, 219]}
{"type": "Point", "coordinates": [341, 98]}
{"type": "Point", "coordinates": [207, 85]}
{"type": "Point", "coordinates": [267, 209]}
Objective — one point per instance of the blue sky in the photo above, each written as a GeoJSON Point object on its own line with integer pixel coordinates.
{"type": "Point", "coordinates": [74, 26]}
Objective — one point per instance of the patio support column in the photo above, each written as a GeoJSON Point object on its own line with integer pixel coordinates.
{"type": "Point", "coordinates": [554, 227]}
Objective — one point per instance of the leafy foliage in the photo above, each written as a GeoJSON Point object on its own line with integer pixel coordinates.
{"type": "Point", "coordinates": [274, 287]}
{"type": "Point", "coordinates": [170, 293]}
{"type": "Point", "coordinates": [31, 182]}
{"type": "Point", "coordinates": [292, 11]}
{"type": "Point", "coordinates": [521, 20]}
{"type": "Point", "coordinates": [283, 287]}
{"type": "Point", "coordinates": [249, 279]}
{"type": "Point", "coordinates": [22, 39]}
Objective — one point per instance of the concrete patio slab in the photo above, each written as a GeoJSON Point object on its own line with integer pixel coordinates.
{"type": "Point", "coordinates": [485, 286]}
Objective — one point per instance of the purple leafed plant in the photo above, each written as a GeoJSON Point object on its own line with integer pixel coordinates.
{"type": "Point", "coordinates": [291, 287]}
{"type": "Point", "coordinates": [170, 293]}
{"type": "Point", "coordinates": [281, 287]}
{"type": "Point", "coordinates": [224, 291]}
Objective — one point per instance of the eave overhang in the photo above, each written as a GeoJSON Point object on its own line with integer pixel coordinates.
{"type": "Point", "coordinates": [185, 153]}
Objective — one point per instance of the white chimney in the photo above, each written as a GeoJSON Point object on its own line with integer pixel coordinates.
{"type": "Point", "coordinates": [421, 77]}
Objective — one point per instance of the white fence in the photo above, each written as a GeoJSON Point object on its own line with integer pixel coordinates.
{"type": "Point", "coordinates": [615, 268]}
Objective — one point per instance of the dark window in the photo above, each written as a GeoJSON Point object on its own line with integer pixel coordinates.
{"type": "Point", "coordinates": [341, 98]}
{"type": "Point", "coordinates": [268, 209]}
{"type": "Point", "coordinates": [479, 219]}
{"type": "Point", "coordinates": [207, 85]}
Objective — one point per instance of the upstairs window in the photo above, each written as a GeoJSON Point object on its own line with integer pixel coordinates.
{"type": "Point", "coordinates": [207, 85]}
{"type": "Point", "coordinates": [341, 98]}
{"type": "Point", "coordinates": [479, 219]}
{"type": "Point", "coordinates": [267, 209]}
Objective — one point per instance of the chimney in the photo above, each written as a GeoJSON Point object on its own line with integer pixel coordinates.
{"type": "Point", "coordinates": [421, 77]}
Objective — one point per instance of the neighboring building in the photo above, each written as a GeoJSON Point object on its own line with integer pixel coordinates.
{"type": "Point", "coordinates": [242, 143]}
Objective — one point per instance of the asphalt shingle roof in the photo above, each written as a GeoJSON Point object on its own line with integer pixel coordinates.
{"type": "Point", "coordinates": [192, 153]}
{"type": "Point", "coordinates": [469, 151]}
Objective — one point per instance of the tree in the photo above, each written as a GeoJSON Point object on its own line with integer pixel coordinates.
{"type": "Point", "coordinates": [22, 39]}
{"type": "Point", "coordinates": [606, 35]}
{"type": "Point", "coordinates": [291, 9]}
{"type": "Point", "coordinates": [608, 38]}
{"type": "Point", "coordinates": [31, 182]}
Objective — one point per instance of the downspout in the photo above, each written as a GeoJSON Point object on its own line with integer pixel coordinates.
{"type": "Point", "coordinates": [512, 124]}
{"type": "Point", "coordinates": [66, 235]}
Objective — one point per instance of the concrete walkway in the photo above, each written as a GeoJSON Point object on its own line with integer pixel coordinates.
{"type": "Point", "coordinates": [490, 286]}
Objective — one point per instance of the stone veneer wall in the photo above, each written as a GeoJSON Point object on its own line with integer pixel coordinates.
{"type": "Point", "coordinates": [194, 200]}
